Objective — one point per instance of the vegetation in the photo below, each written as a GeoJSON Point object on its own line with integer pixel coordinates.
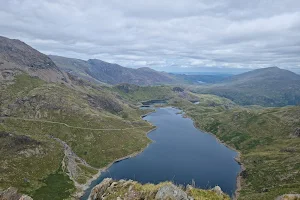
{"type": "Point", "coordinates": [266, 87]}
{"type": "Point", "coordinates": [55, 187]}
{"type": "Point", "coordinates": [97, 125]}
{"type": "Point", "coordinates": [39, 120]}
{"type": "Point", "coordinates": [166, 190]}
{"type": "Point", "coordinates": [264, 136]}
{"type": "Point", "coordinates": [133, 93]}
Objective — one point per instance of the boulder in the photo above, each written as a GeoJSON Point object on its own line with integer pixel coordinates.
{"type": "Point", "coordinates": [99, 190]}
{"type": "Point", "coordinates": [218, 190]}
{"type": "Point", "coordinates": [171, 192]}
{"type": "Point", "coordinates": [297, 132]}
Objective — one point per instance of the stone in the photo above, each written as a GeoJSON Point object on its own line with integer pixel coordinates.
{"type": "Point", "coordinates": [297, 132]}
{"type": "Point", "coordinates": [218, 190]}
{"type": "Point", "coordinates": [99, 190]}
{"type": "Point", "coordinates": [171, 192]}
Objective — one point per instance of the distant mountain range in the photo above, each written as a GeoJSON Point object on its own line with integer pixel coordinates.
{"type": "Point", "coordinates": [98, 70]}
{"type": "Point", "coordinates": [267, 87]}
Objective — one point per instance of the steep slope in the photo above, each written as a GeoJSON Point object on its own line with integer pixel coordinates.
{"type": "Point", "coordinates": [16, 55]}
{"type": "Point", "coordinates": [56, 136]}
{"type": "Point", "coordinates": [267, 87]}
{"type": "Point", "coordinates": [76, 67]}
{"type": "Point", "coordinates": [94, 69]}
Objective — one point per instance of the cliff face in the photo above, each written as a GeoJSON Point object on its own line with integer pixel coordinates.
{"type": "Point", "coordinates": [122, 189]}
{"type": "Point", "coordinates": [15, 55]}
{"type": "Point", "coordinates": [12, 194]}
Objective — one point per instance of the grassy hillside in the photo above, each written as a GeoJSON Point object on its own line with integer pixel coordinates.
{"type": "Point", "coordinates": [41, 123]}
{"type": "Point", "coordinates": [265, 137]}
{"type": "Point", "coordinates": [97, 125]}
{"type": "Point", "coordinates": [135, 94]}
{"type": "Point", "coordinates": [266, 87]}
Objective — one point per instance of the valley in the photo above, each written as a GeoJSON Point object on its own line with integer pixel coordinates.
{"type": "Point", "coordinates": [180, 153]}
{"type": "Point", "coordinates": [61, 125]}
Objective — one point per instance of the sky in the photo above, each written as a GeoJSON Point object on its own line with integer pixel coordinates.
{"type": "Point", "coordinates": [167, 35]}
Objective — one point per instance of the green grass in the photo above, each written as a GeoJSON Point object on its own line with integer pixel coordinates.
{"type": "Point", "coordinates": [136, 94]}
{"type": "Point", "coordinates": [135, 190]}
{"type": "Point", "coordinates": [30, 98]}
{"type": "Point", "coordinates": [199, 194]}
{"type": "Point", "coordinates": [261, 135]}
{"type": "Point", "coordinates": [56, 186]}
{"type": "Point", "coordinates": [85, 173]}
{"type": "Point", "coordinates": [25, 163]}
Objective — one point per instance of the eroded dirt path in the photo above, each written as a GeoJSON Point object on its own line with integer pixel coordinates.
{"type": "Point", "coordinates": [71, 160]}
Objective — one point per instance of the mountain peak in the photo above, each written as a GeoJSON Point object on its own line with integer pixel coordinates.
{"type": "Point", "coordinates": [18, 52]}
{"type": "Point", "coordinates": [15, 54]}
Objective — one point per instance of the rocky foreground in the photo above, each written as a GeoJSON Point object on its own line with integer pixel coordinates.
{"type": "Point", "coordinates": [127, 190]}
{"type": "Point", "coordinates": [12, 194]}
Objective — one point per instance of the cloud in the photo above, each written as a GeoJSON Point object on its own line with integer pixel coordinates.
{"type": "Point", "coordinates": [163, 34]}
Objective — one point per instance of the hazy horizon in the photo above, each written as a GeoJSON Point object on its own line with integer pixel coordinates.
{"type": "Point", "coordinates": [180, 35]}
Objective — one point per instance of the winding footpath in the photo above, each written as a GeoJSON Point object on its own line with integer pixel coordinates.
{"type": "Point", "coordinates": [76, 127]}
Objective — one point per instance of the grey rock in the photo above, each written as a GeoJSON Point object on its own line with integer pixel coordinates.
{"type": "Point", "coordinates": [171, 192]}
{"type": "Point", "coordinates": [12, 194]}
{"type": "Point", "coordinates": [288, 197]}
{"type": "Point", "coordinates": [297, 132]}
{"type": "Point", "coordinates": [100, 189]}
{"type": "Point", "coordinates": [217, 190]}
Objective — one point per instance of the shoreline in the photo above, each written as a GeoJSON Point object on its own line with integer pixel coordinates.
{"type": "Point", "coordinates": [237, 158]}
{"type": "Point", "coordinates": [184, 115]}
{"type": "Point", "coordinates": [85, 186]}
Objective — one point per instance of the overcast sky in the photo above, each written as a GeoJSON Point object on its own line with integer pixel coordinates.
{"type": "Point", "coordinates": [170, 35]}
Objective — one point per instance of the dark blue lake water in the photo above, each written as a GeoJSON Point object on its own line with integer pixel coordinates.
{"type": "Point", "coordinates": [180, 153]}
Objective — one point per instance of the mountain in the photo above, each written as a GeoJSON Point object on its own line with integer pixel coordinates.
{"type": "Point", "coordinates": [55, 133]}
{"type": "Point", "coordinates": [267, 87]}
{"type": "Point", "coordinates": [16, 56]}
{"type": "Point", "coordinates": [201, 78]}
{"type": "Point", "coordinates": [98, 70]}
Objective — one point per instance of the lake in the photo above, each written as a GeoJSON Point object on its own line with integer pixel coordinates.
{"type": "Point", "coordinates": [180, 153]}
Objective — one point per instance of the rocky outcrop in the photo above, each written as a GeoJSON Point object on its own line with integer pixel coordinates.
{"type": "Point", "coordinates": [100, 190]}
{"type": "Point", "coordinates": [171, 192]}
{"type": "Point", "coordinates": [16, 55]}
{"type": "Point", "coordinates": [296, 133]}
{"type": "Point", "coordinates": [12, 194]}
{"type": "Point", "coordinates": [128, 190]}
{"type": "Point", "coordinates": [288, 197]}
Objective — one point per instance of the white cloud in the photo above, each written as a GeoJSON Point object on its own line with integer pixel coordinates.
{"type": "Point", "coordinates": [164, 34]}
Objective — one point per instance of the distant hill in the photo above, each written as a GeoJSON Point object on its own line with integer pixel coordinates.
{"type": "Point", "coordinates": [201, 78]}
{"type": "Point", "coordinates": [267, 87]}
{"type": "Point", "coordinates": [15, 54]}
{"type": "Point", "coordinates": [99, 70]}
